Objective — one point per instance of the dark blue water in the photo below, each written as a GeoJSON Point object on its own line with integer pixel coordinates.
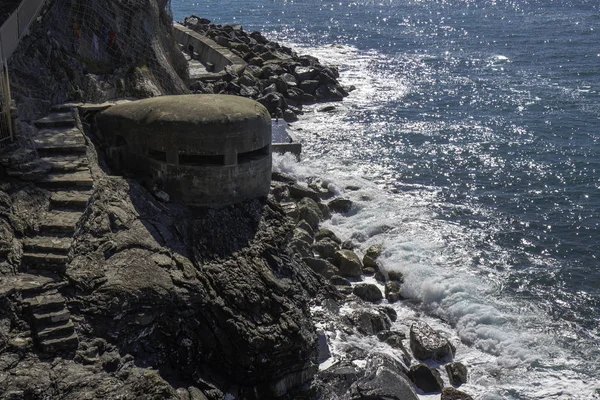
{"type": "Point", "coordinates": [489, 113]}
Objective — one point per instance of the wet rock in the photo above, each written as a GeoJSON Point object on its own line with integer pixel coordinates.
{"type": "Point", "coordinates": [369, 262]}
{"type": "Point", "coordinates": [374, 251]}
{"type": "Point", "coordinates": [338, 378]}
{"type": "Point", "coordinates": [326, 248]}
{"type": "Point", "coordinates": [306, 227]}
{"type": "Point", "coordinates": [368, 271]}
{"type": "Point", "coordinates": [298, 192]}
{"type": "Point", "coordinates": [318, 265]}
{"type": "Point", "coordinates": [393, 338]}
{"type": "Point", "coordinates": [305, 73]}
{"type": "Point", "coordinates": [290, 116]}
{"type": "Point", "coordinates": [309, 211]}
{"type": "Point", "coordinates": [425, 378]}
{"type": "Point", "coordinates": [396, 276]}
{"type": "Point", "coordinates": [457, 373]}
{"type": "Point", "coordinates": [348, 263]}
{"type": "Point", "coordinates": [309, 86]}
{"type": "Point", "coordinates": [368, 292]}
{"type": "Point", "coordinates": [426, 343]}
{"type": "Point", "coordinates": [327, 109]}
{"type": "Point", "coordinates": [340, 205]}
{"type": "Point", "coordinates": [370, 321]}
{"type": "Point", "coordinates": [323, 347]}
{"type": "Point", "coordinates": [327, 233]}
{"type": "Point", "coordinates": [348, 245]}
{"type": "Point", "coordinates": [389, 311]}
{"type": "Point", "coordinates": [392, 292]}
{"type": "Point", "coordinates": [329, 91]}
{"type": "Point", "coordinates": [325, 211]}
{"type": "Point", "coordinates": [383, 384]}
{"type": "Point", "coordinates": [450, 393]}
{"type": "Point", "coordinates": [301, 248]}
{"type": "Point", "coordinates": [339, 281]}
{"type": "Point", "coordinates": [283, 177]}
{"type": "Point", "coordinates": [301, 234]}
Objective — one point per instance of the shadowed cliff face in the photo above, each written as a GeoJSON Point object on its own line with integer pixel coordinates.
{"type": "Point", "coordinates": [213, 293]}
{"type": "Point", "coordinates": [93, 50]}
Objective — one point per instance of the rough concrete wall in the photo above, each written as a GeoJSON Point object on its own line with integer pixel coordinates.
{"type": "Point", "coordinates": [93, 50]}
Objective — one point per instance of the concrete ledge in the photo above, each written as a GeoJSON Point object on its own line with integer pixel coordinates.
{"type": "Point", "coordinates": [208, 51]}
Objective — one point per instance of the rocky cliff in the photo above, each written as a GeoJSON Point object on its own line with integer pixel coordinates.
{"type": "Point", "coordinates": [94, 50]}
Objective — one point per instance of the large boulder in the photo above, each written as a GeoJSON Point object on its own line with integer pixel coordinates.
{"type": "Point", "coordinates": [384, 384]}
{"type": "Point", "coordinates": [426, 343]}
{"type": "Point", "coordinates": [370, 321]}
{"type": "Point", "coordinates": [368, 292]}
{"type": "Point", "coordinates": [326, 248]}
{"type": "Point", "coordinates": [348, 263]}
{"type": "Point", "coordinates": [308, 210]}
{"type": "Point", "coordinates": [340, 205]}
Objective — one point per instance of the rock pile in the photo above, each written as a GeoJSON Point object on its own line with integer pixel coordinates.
{"type": "Point", "coordinates": [276, 76]}
{"type": "Point", "coordinates": [363, 315]}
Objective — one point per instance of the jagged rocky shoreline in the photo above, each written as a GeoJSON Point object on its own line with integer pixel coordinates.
{"type": "Point", "coordinates": [276, 76]}
{"type": "Point", "coordinates": [252, 301]}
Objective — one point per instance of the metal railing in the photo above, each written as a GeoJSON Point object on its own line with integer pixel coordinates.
{"type": "Point", "coordinates": [11, 32]}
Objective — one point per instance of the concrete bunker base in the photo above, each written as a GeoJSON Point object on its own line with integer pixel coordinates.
{"type": "Point", "coordinates": [203, 150]}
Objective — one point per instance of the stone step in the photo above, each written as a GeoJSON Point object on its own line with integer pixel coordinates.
{"type": "Point", "coordinates": [45, 303]}
{"type": "Point", "coordinates": [67, 163]}
{"type": "Point", "coordinates": [44, 263]}
{"type": "Point", "coordinates": [50, 142]}
{"type": "Point", "coordinates": [70, 199]}
{"type": "Point", "coordinates": [57, 119]}
{"type": "Point", "coordinates": [45, 319]}
{"type": "Point", "coordinates": [47, 244]}
{"type": "Point", "coordinates": [65, 343]}
{"type": "Point", "coordinates": [60, 222]}
{"type": "Point", "coordinates": [66, 180]}
{"type": "Point", "coordinates": [64, 329]}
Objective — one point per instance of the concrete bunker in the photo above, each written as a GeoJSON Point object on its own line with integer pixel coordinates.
{"type": "Point", "coordinates": [203, 150]}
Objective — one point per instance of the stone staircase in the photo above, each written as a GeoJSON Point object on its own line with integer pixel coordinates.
{"type": "Point", "coordinates": [50, 321]}
{"type": "Point", "coordinates": [61, 146]}
{"type": "Point", "coordinates": [62, 168]}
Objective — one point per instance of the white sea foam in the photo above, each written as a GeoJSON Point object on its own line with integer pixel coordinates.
{"type": "Point", "coordinates": [503, 340]}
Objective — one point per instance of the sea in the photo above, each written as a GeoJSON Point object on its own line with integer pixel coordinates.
{"type": "Point", "coordinates": [471, 151]}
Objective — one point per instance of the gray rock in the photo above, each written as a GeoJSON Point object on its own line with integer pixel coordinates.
{"type": "Point", "coordinates": [370, 321]}
{"type": "Point", "coordinates": [426, 343]}
{"type": "Point", "coordinates": [309, 211]}
{"type": "Point", "coordinates": [450, 393]}
{"type": "Point", "coordinates": [374, 251]}
{"type": "Point", "coordinates": [426, 378]}
{"type": "Point", "coordinates": [318, 265]}
{"type": "Point", "coordinates": [384, 384]}
{"type": "Point", "coordinates": [339, 281]}
{"type": "Point", "coordinates": [323, 347]}
{"type": "Point", "coordinates": [392, 292]}
{"type": "Point", "coordinates": [301, 234]}
{"type": "Point", "coordinates": [369, 262]}
{"type": "Point", "coordinates": [289, 116]}
{"type": "Point", "coordinates": [457, 373]}
{"type": "Point", "coordinates": [325, 211]}
{"type": "Point", "coordinates": [348, 245]}
{"type": "Point", "coordinates": [368, 292]}
{"type": "Point", "coordinates": [348, 263]}
{"type": "Point", "coordinates": [396, 276]}
{"type": "Point", "coordinates": [326, 248]}
{"type": "Point", "coordinates": [301, 248]}
{"type": "Point", "coordinates": [299, 192]}
{"type": "Point", "coordinates": [309, 86]}
{"type": "Point", "coordinates": [327, 233]}
{"type": "Point", "coordinates": [340, 205]}
{"type": "Point", "coordinates": [306, 227]}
